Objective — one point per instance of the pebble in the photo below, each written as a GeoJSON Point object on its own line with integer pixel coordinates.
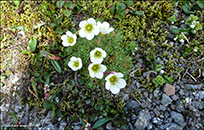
{"type": "Point", "coordinates": [162, 107]}
{"type": "Point", "coordinates": [180, 108]}
{"type": "Point", "coordinates": [62, 125]}
{"type": "Point", "coordinates": [126, 97]}
{"type": "Point", "coordinates": [157, 121]}
{"type": "Point", "coordinates": [131, 104]}
{"type": "Point", "coordinates": [198, 105]}
{"type": "Point", "coordinates": [133, 117]}
{"type": "Point", "coordinates": [166, 100]}
{"type": "Point", "coordinates": [109, 126]}
{"type": "Point", "coordinates": [169, 89]}
{"type": "Point", "coordinates": [143, 120]}
{"type": "Point", "coordinates": [181, 92]}
{"type": "Point", "coordinates": [156, 112]}
{"type": "Point", "coordinates": [165, 126]}
{"type": "Point", "coordinates": [174, 97]}
{"type": "Point", "coordinates": [190, 86]}
{"type": "Point", "coordinates": [174, 126]}
{"type": "Point", "coordinates": [178, 118]}
{"type": "Point", "coordinates": [49, 127]}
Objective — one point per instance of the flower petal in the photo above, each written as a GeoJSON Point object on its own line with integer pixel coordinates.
{"type": "Point", "coordinates": [121, 83]}
{"type": "Point", "coordinates": [68, 33]}
{"type": "Point", "coordinates": [91, 73]}
{"type": "Point", "coordinates": [95, 30]}
{"type": "Point", "coordinates": [109, 76]}
{"type": "Point", "coordinates": [107, 85]}
{"type": "Point", "coordinates": [64, 37]}
{"type": "Point", "coordinates": [82, 33]}
{"type": "Point", "coordinates": [99, 24]}
{"type": "Point", "coordinates": [110, 29]}
{"type": "Point", "coordinates": [103, 68]}
{"type": "Point", "coordinates": [119, 75]}
{"type": "Point", "coordinates": [114, 89]}
{"type": "Point", "coordinates": [65, 44]}
{"type": "Point", "coordinates": [82, 23]}
{"type": "Point", "coordinates": [99, 75]}
{"type": "Point", "coordinates": [96, 60]}
{"type": "Point", "coordinates": [89, 36]}
{"type": "Point", "coordinates": [92, 21]}
{"type": "Point", "coordinates": [106, 24]}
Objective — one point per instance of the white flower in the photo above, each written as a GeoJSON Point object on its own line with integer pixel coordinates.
{"type": "Point", "coordinates": [75, 63]}
{"type": "Point", "coordinates": [97, 55]}
{"type": "Point", "coordinates": [88, 126]}
{"type": "Point", "coordinates": [114, 82]}
{"type": "Point", "coordinates": [69, 39]}
{"type": "Point", "coordinates": [192, 26]}
{"type": "Point", "coordinates": [172, 22]}
{"type": "Point", "coordinates": [175, 38]}
{"type": "Point", "coordinates": [181, 40]}
{"type": "Point", "coordinates": [195, 50]}
{"type": "Point", "coordinates": [88, 28]}
{"type": "Point", "coordinates": [104, 28]}
{"type": "Point", "coordinates": [96, 70]}
{"type": "Point", "coordinates": [193, 22]}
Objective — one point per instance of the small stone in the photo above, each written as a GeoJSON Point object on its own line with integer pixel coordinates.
{"type": "Point", "coordinates": [143, 120]}
{"type": "Point", "coordinates": [165, 126]}
{"type": "Point", "coordinates": [174, 97]}
{"type": "Point", "coordinates": [131, 104]}
{"type": "Point", "coordinates": [179, 108]}
{"type": "Point", "coordinates": [126, 97]}
{"type": "Point", "coordinates": [133, 117]}
{"type": "Point", "coordinates": [191, 86]}
{"type": "Point", "coordinates": [198, 105]}
{"type": "Point", "coordinates": [157, 121]}
{"type": "Point", "coordinates": [145, 94]}
{"type": "Point", "coordinates": [172, 107]}
{"type": "Point", "coordinates": [169, 89]}
{"type": "Point", "coordinates": [178, 118]}
{"type": "Point", "coordinates": [109, 126]}
{"type": "Point", "coordinates": [156, 112]}
{"type": "Point", "coordinates": [162, 107]}
{"type": "Point", "coordinates": [62, 125]}
{"type": "Point", "coordinates": [166, 100]}
{"type": "Point", "coordinates": [49, 127]}
{"type": "Point", "coordinates": [181, 92]}
{"type": "Point", "coordinates": [174, 127]}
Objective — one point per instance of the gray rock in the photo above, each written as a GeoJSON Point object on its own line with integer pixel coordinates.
{"type": "Point", "coordinates": [166, 100]}
{"type": "Point", "coordinates": [174, 126]}
{"type": "Point", "coordinates": [191, 86]}
{"type": "Point", "coordinates": [162, 107]}
{"type": "Point", "coordinates": [62, 125]}
{"type": "Point", "coordinates": [181, 92]}
{"type": "Point", "coordinates": [76, 126]}
{"type": "Point", "coordinates": [178, 118]}
{"type": "Point", "coordinates": [199, 95]}
{"type": "Point", "coordinates": [156, 112]}
{"type": "Point", "coordinates": [174, 97]}
{"type": "Point", "coordinates": [145, 94]}
{"type": "Point", "coordinates": [143, 120]}
{"type": "Point", "coordinates": [131, 104]}
{"type": "Point", "coordinates": [198, 105]}
{"type": "Point", "coordinates": [49, 127]}
{"type": "Point", "coordinates": [88, 101]}
{"type": "Point", "coordinates": [157, 121]}
{"type": "Point", "coordinates": [150, 126]}
{"type": "Point", "coordinates": [126, 97]}
{"type": "Point", "coordinates": [180, 108]}
{"type": "Point", "coordinates": [133, 117]}
{"type": "Point", "coordinates": [165, 126]}
{"type": "Point", "coordinates": [109, 126]}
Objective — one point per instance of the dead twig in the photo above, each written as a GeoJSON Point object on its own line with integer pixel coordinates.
{"type": "Point", "coordinates": [32, 93]}
{"type": "Point", "coordinates": [185, 73]}
{"type": "Point", "coordinates": [76, 80]}
{"type": "Point", "coordinates": [148, 75]}
{"type": "Point", "coordinates": [192, 76]}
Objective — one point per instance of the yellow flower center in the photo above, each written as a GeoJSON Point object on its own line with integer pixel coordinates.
{"type": "Point", "coordinates": [89, 27]}
{"type": "Point", "coordinates": [76, 63]}
{"type": "Point", "coordinates": [95, 67]}
{"type": "Point", "coordinates": [70, 39]}
{"type": "Point", "coordinates": [113, 79]}
{"type": "Point", "coordinates": [97, 54]}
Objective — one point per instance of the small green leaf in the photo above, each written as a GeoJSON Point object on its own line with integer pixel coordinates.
{"type": "Point", "coordinates": [47, 79]}
{"type": "Point", "coordinates": [17, 2]}
{"type": "Point", "coordinates": [54, 95]}
{"type": "Point", "coordinates": [20, 27]}
{"type": "Point", "coordinates": [76, 90]}
{"type": "Point", "coordinates": [186, 9]}
{"type": "Point", "coordinates": [129, 2]}
{"type": "Point", "coordinates": [138, 12]}
{"type": "Point", "coordinates": [69, 4]}
{"type": "Point", "coordinates": [53, 112]}
{"type": "Point", "coordinates": [53, 25]}
{"type": "Point", "coordinates": [121, 7]}
{"type": "Point", "coordinates": [112, 9]}
{"type": "Point", "coordinates": [44, 6]}
{"type": "Point", "coordinates": [32, 44]}
{"type": "Point", "coordinates": [93, 118]}
{"type": "Point", "coordinates": [2, 77]}
{"type": "Point", "coordinates": [48, 105]}
{"type": "Point", "coordinates": [58, 113]}
{"type": "Point", "coordinates": [200, 4]}
{"type": "Point", "coordinates": [38, 25]}
{"type": "Point", "coordinates": [1, 84]}
{"type": "Point", "coordinates": [34, 87]}
{"type": "Point", "coordinates": [60, 31]}
{"type": "Point", "coordinates": [68, 12]}
{"type": "Point", "coordinates": [177, 30]}
{"type": "Point", "coordinates": [101, 122]}
{"type": "Point", "coordinates": [56, 66]}
{"type": "Point", "coordinates": [14, 117]}
{"type": "Point", "coordinates": [60, 4]}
